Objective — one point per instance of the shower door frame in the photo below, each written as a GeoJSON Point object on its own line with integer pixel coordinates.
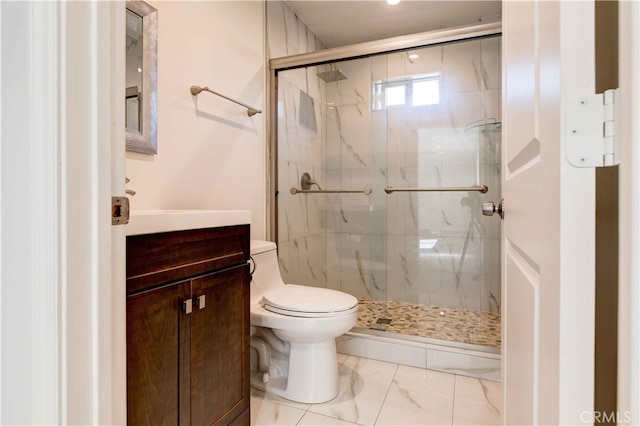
{"type": "Point", "coordinates": [357, 51]}
{"type": "Point", "coordinates": [354, 51]}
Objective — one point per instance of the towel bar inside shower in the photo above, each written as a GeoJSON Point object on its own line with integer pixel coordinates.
{"type": "Point", "coordinates": [480, 188]}
{"type": "Point", "coordinates": [294, 191]}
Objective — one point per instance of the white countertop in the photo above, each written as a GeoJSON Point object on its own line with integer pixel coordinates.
{"type": "Point", "coordinates": [155, 221]}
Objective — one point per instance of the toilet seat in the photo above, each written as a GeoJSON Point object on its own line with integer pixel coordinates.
{"type": "Point", "coordinates": [310, 302]}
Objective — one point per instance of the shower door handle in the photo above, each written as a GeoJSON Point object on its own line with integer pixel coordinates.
{"type": "Point", "coordinates": [488, 209]}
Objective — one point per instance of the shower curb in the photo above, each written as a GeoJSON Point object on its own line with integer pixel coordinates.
{"type": "Point", "coordinates": [439, 357]}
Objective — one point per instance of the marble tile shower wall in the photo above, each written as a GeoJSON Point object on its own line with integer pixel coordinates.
{"type": "Point", "coordinates": [302, 219]}
{"type": "Point", "coordinates": [380, 246]}
{"type": "Point", "coordinates": [286, 33]}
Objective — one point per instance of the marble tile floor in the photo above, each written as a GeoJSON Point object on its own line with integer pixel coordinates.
{"type": "Point", "coordinates": [382, 393]}
{"type": "Point", "coordinates": [457, 325]}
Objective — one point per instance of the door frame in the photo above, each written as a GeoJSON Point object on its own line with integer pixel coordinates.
{"type": "Point", "coordinates": [62, 299]}
{"type": "Point", "coordinates": [325, 56]}
{"type": "Point", "coordinates": [628, 403]}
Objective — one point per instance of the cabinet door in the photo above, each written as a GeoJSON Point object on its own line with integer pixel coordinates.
{"type": "Point", "coordinates": [155, 325]}
{"type": "Point", "coordinates": [220, 347]}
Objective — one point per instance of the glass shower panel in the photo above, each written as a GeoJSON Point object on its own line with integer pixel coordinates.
{"type": "Point", "coordinates": [355, 254]}
{"type": "Point", "coordinates": [443, 255]}
{"type": "Point", "coordinates": [413, 157]}
{"type": "Point", "coordinates": [302, 220]}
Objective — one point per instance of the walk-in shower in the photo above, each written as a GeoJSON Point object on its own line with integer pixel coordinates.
{"type": "Point", "coordinates": [405, 151]}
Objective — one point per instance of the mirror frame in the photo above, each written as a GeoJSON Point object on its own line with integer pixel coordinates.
{"type": "Point", "coordinates": [147, 140]}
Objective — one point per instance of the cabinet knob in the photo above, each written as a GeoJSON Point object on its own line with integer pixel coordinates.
{"type": "Point", "coordinates": [187, 306]}
{"type": "Point", "coordinates": [200, 301]}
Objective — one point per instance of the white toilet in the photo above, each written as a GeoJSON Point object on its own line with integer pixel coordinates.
{"type": "Point", "coordinates": [293, 331]}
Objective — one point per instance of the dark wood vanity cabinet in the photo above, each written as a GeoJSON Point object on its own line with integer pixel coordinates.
{"type": "Point", "coordinates": [188, 327]}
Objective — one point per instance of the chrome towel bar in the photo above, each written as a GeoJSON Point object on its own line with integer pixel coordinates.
{"type": "Point", "coordinates": [196, 90]}
{"type": "Point", "coordinates": [295, 191]}
{"type": "Point", "coordinates": [481, 188]}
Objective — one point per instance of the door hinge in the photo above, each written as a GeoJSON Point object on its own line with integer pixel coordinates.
{"type": "Point", "coordinates": [119, 210]}
{"type": "Point", "coordinates": [591, 130]}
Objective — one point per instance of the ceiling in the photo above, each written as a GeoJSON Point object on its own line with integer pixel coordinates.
{"type": "Point", "coordinates": [344, 22]}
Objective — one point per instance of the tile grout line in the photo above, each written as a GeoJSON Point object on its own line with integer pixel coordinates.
{"type": "Point", "coordinates": [311, 405]}
{"type": "Point", "coordinates": [453, 400]}
{"type": "Point", "coordinates": [304, 414]}
{"type": "Point", "coordinates": [375, 422]}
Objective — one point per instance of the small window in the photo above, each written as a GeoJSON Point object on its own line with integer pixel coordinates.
{"type": "Point", "coordinates": [406, 91]}
{"type": "Point", "coordinates": [395, 96]}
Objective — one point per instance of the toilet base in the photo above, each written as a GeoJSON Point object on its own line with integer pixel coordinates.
{"type": "Point", "coordinates": [308, 374]}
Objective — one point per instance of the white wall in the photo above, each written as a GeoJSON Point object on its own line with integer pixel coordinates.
{"type": "Point", "coordinates": [211, 155]}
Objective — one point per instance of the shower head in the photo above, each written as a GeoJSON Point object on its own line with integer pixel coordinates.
{"type": "Point", "coordinates": [332, 75]}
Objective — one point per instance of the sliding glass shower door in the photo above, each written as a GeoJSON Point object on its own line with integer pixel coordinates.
{"type": "Point", "coordinates": [398, 148]}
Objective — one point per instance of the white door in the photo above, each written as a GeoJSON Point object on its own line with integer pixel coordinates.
{"type": "Point", "coordinates": [548, 229]}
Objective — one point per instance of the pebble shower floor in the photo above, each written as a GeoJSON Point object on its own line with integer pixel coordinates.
{"type": "Point", "coordinates": [457, 325]}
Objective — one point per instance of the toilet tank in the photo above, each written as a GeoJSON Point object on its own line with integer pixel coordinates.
{"type": "Point", "coordinates": [266, 272]}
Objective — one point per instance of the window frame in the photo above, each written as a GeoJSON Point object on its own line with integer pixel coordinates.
{"type": "Point", "coordinates": [380, 86]}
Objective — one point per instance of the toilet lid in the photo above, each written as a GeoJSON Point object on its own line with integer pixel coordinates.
{"type": "Point", "coordinates": [303, 301]}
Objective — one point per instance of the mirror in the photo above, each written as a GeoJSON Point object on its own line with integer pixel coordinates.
{"type": "Point", "coordinates": [141, 77]}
